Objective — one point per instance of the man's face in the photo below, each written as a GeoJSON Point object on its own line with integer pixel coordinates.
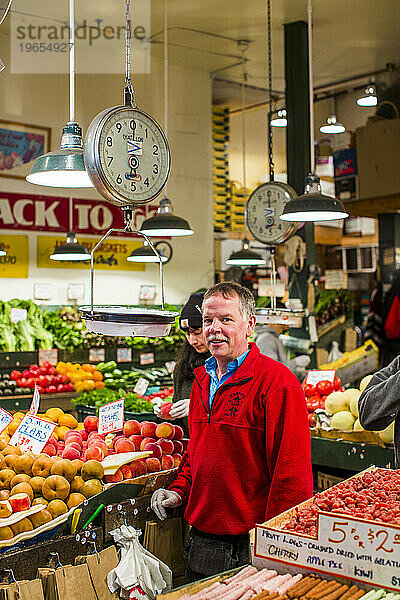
{"type": "Point", "coordinates": [225, 329]}
{"type": "Point", "coordinates": [196, 339]}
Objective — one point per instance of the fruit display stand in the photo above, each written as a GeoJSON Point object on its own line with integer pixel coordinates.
{"type": "Point", "coordinates": [339, 545]}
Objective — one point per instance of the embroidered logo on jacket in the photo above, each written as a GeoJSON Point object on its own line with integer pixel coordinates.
{"type": "Point", "coordinates": [235, 401]}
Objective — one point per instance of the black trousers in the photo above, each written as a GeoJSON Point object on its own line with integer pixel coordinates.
{"type": "Point", "coordinates": [207, 554]}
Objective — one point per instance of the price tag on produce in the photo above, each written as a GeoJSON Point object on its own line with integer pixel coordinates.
{"type": "Point", "coordinates": [50, 356]}
{"type": "Point", "coordinates": [97, 354]}
{"type": "Point", "coordinates": [5, 419]}
{"type": "Point", "coordinates": [314, 377]}
{"type": "Point", "coordinates": [124, 355]}
{"type": "Point", "coordinates": [170, 365]}
{"type": "Point", "coordinates": [18, 314]}
{"type": "Point", "coordinates": [111, 417]}
{"type": "Point", "coordinates": [146, 358]}
{"type": "Point", "coordinates": [141, 386]}
{"type": "Point", "coordinates": [34, 408]}
{"type": "Point", "coordinates": [32, 434]}
{"type": "Point", "coordinates": [361, 550]}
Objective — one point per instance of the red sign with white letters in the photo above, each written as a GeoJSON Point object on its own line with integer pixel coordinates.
{"type": "Point", "coordinates": [52, 213]}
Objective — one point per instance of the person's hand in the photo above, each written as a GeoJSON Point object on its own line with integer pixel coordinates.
{"type": "Point", "coordinates": [162, 499]}
{"type": "Point", "coordinates": [157, 410]}
{"type": "Point", "coordinates": [303, 360]}
{"type": "Point", "coordinates": [180, 409]}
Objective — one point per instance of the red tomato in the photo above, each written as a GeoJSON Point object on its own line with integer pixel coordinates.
{"type": "Point", "coordinates": [324, 388]}
{"type": "Point", "coordinates": [314, 404]}
{"type": "Point", "coordinates": [322, 402]}
{"type": "Point", "coordinates": [336, 384]}
{"type": "Point", "coordinates": [309, 390]}
{"type": "Point", "coordinates": [40, 389]}
{"type": "Point", "coordinates": [46, 364]}
{"type": "Point", "coordinates": [60, 387]}
{"type": "Point", "coordinates": [25, 374]}
{"type": "Point", "coordinates": [52, 371]}
{"type": "Point", "coordinates": [312, 420]}
{"type": "Point", "coordinates": [14, 375]}
{"type": "Point", "coordinates": [42, 371]}
{"type": "Point", "coordinates": [51, 389]}
{"type": "Point", "coordinates": [44, 381]}
{"type": "Point", "coordinates": [21, 382]}
{"type": "Point", "coordinates": [68, 387]}
{"type": "Point", "coordinates": [33, 367]}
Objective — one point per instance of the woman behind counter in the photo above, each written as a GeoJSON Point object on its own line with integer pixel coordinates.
{"type": "Point", "coordinates": [193, 354]}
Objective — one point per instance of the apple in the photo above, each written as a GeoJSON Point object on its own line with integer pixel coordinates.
{"type": "Point", "coordinates": [71, 434]}
{"type": "Point", "coordinates": [73, 445]}
{"type": "Point", "coordinates": [126, 471]}
{"type": "Point", "coordinates": [84, 434]}
{"type": "Point", "coordinates": [137, 440]}
{"type": "Point", "coordinates": [178, 433]}
{"type": "Point", "coordinates": [167, 446]}
{"type": "Point", "coordinates": [71, 453]}
{"type": "Point", "coordinates": [91, 423]}
{"type": "Point", "coordinates": [131, 427]}
{"type": "Point", "coordinates": [94, 453]}
{"type": "Point", "coordinates": [165, 409]}
{"type": "Point", "coordinates": [154, 448]}
{"type": "Point", "coordinates": [118, 437]}
{"type": "Point", "coordinates": [178, 447]}
{"type": "Point", "coordinates": [49, 449]}
{"type": "Point", "coordinates": [19, 502]}
{"type": "Point", "coordinates": [101, 445]}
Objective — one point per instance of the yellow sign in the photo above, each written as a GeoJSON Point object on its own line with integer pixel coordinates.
{"type": "Point", "coordinates": [15, 262]}
{"type": "Point", "coordinates": [111, 256]}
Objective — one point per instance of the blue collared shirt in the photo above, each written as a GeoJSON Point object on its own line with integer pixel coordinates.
{"type": "Point", "coordinates": [211, 368]}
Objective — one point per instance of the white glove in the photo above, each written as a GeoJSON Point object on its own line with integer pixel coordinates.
{"type": "Point", "coordinates": [180, 409]}
{"type": "Point", "coordinates": [302, 361]}
{"type": "Point", "coordinates": [157, 410]}
{"type": "Point", "coordinates": [162, 499]}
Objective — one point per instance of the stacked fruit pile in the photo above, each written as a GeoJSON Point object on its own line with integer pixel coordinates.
{"type": "Point", "coordinates": [27, 479]}
{"type": "Point", "coordinates": [46, 378]}
{"type": "Point", "coordinates": [85, 377]}
{"type": "Point", "coordinates": [374, 496]}
{"type": "Point", "coordinates": [163, 440]}
{"type": "Point", "coordinates": [317, 394]}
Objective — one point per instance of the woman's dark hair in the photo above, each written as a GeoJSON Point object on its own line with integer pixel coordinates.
{"type": "Point", "coordinates": [187, 360]}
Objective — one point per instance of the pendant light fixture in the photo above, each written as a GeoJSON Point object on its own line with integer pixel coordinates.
{"type": "Point", "coordinates": [71, 250]}
{"type": "Point", "coordinates": [332, 126]}
{"type": "Point", "coordinates": [280, 118]}
{"type": "Point", "coordinates": [312, 205]}
{"type": "Point", "coordinates": [2, 251]}
{"type": "Point", "coordinates": [65, 167]}
{"type": "Point", "coordinates": [244, 257]}
{"type": "Point", "coordinates": [165, 223]}
{"type": "Point", "coordinates": [369, 98]}
{"type": "Point", "coordinates": [145, 254]}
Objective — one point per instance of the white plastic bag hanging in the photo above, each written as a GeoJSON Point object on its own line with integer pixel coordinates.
{"type": "Point", "coordinates": [139, 573]}
{"type": "Point", "coordinates": [334, 353]}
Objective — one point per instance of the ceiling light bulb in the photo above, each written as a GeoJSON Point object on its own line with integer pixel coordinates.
{"type": "Point", "coordinates": [280, 120]}
{"type": "Point", "coordinates": [65, 167]}
{"type": "Point", "coordinates": [332, 126]}
{"type": "Point", "coordinates": [369, 98]}
{"type": "Point", "coordinates": [165, 223]}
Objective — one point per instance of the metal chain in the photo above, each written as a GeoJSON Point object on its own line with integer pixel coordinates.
{"type": "Point", "coordinates": [243, 90]}
{"type": "Point", "coordinates": [269, 47]}
{"type": "Point", "coordinates": [129, 92]}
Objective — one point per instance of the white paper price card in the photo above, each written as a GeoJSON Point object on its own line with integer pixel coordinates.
{"type": "Point", "coordinates": [314, 377]}
{"type": "Point", "coordinates": [32, 434]}
{"type": "Point", "coordinates": [124, 355]}
{"type": "Point", "coordinates": [146, 358]}
{"type": "Point", "coordinates": [50, 356]}
{"type": "Point", "coordinates": [141, 386]}
{"type": "Point", "coordinates": [5, 419]}
{"type": "Point", "coordinates": [360, 550]}
{"type": "Point", "coordinates": [34, 407]}
{"type": "Point", "coordinates": [111, 417]}
{"type": "Point", "coordinates": [97, 354]}
{"type": "Point", "coordinates": [18, 314]}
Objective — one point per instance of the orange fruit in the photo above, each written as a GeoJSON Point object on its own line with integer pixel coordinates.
{"type": "Point", "coordinates": [18, 415]}
{"type": "Point", "coordinates": [53, 414]}
{"type": "Point", "coordinates": [67, 420]}
{"type": "Point", "coordinates": [60, 432]}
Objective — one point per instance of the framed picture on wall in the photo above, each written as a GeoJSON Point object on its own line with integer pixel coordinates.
{"type": "Point", "coordinates": [20, 144]}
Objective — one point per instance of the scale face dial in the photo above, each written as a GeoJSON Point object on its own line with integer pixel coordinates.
{"type": "Point", "coordinates": [126, 155]}
{"type": "Point", "coordinates": [263, 209]}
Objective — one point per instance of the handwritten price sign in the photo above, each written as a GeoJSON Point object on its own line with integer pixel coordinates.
{"type": "Point", "coordinates": [111, 417]}
{"type": "Point", "coordinates": [32, 433]}
{"type": "Point", "coordinates": [364, 551]}
{"type": "Point", "coordinates": [314, 377]}
{"type": "Point", "coordinates": [5, 419]}
{"type": "Point", "coordinates": [34, 407]}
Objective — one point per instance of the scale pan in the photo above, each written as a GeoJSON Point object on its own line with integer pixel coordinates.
{"type": "Point", "coordinates": [280, 316]}
{"type": "Point", "coordinates": [128, 322]}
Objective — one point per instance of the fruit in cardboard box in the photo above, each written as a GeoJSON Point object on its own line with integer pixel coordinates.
{"type": "Point", "coordinates": [56, 508]}
{"type": "Point", "coordinates": [117, 477]}
{"type": "Point", "coordinates": [75, 499]}
{"type": "Point", "coordinates": [41, 467]}
{"type": "Point", "coordinates": [343, 420]}
{"type": "Point", "coordinates": [5, 509]}
{"type": "Point", "coordinates": [40, 518]}
{"type": "Point", "coordinates": [65, 468]}
{"type": "Point", "coordinates": [21, 526]}
{"type": "Point", "coordinates": [165, 430]}
{"type": "Point", "coordinates": [55, 487]}
{"type": "Point", "coordinates": [91, 487]}
{"type": "Point", "coordinates": [126, 471]}
{"type": "Point", "coordinates": [139, 468]}
{"type": "Point", "coordinates": [92, 469]}
{"type": "Point", "coordinates": [6, 533]}
{"type": "Point", "coordinates": [40, 500]}
{"type": "Point", "coordinates": [19, 502]}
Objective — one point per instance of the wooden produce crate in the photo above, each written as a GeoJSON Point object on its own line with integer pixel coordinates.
{"type": "Point", "coordinates": [193, 588]}
{"type": "Point", "coordinates": [326, 480]}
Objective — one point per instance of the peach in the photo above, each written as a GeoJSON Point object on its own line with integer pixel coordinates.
{"type": "Point", "coordinates": [165, 409]}
{"type": "Point", "coordinates": [153, 465]}
{"type": "Point", "coordinates": [116, 438]}
{"type": "Point", "coordinates": [124, 445]}
{"type": "Point", "coordinates": [93, 435]}
{"type": "Point", "coordinates": [91, 423]}
{"type": "Point", "coordinates": [167, 462]}
{"type": "Point", "coordinates": [5, 509]}
{"type": "Point", "coordinates": [93, 453]}
{"type": "Point", "coordinates": [126, 471]}
{"type": "Point", "coordinates": [116, 478]}
{"type": "Point", "coordinates": [167, 446]}
{"type": "Point", "coordinates": [178, 433]}
{"type": "Point", "coordinates": [71, 453]}
{"type": "Point", "coordinates": [19, 502]}
{"type": "Point", "coordinates": [165, 430]}
{"type": "Point", "coordinates": [49, 449]}
{"type": "Point", "coordinates": [74, 445]}
{"type": "Point", "coordinates": [84, 434]}
{"type": "Point", "coordinates": [101, 445]}
{"type": "Point", "coordinates": [148, 429]}
{"type": "Point", "coordinates": [137, 440]}
{"type": "Point", "coordinates": [52, 440]}
{"type": "Point", "coordinates": [139, 468]}
{"type": "Point", "coordinates": [178, 447]}
{"type": "Point", "coordinates": [22, 488]}
{"type": "Point", "coordinates": [147, 440]}
{"type": "Point", "coordinates": [131, 427]}
{"type": "Point", "coordinates": [154, 448]}
{"type": "Point", "coordinates": [177, 459]}
{"type": "Point", "coordinates": [72, 435]}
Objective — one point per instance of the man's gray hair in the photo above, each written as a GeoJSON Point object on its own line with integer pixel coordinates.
{"type": "Point", "coordinates": [230, 289]}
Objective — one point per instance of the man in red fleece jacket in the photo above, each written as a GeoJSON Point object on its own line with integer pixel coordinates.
{"type": "Point", "coordinates": [249, 455]}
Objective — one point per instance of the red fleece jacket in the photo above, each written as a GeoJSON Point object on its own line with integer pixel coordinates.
{"type": "Point", "coordinates": [249, 458]}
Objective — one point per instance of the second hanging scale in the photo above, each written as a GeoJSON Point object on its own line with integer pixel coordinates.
{"type": "Point", "coordinates": [263, 209]}
{"type": "Point", "coordinates": [127, 158]}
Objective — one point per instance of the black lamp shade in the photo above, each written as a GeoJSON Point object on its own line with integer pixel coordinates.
{"type": "Point", "coordinates": [145, 254]}
{"type": "Point", "coordinates": [166, 225]}
{"type": "Point", "coordinates": [313, 207]}
{"type": "Point", "coordinates": [71, 250]}
{"type": "Point", "coordinates": [245, 257]}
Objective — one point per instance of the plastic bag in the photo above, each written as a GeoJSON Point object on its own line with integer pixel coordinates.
{"type": "Point", "coordinates": [334, 353]}
{"type": "Point", "coordinates": [139, 572]}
